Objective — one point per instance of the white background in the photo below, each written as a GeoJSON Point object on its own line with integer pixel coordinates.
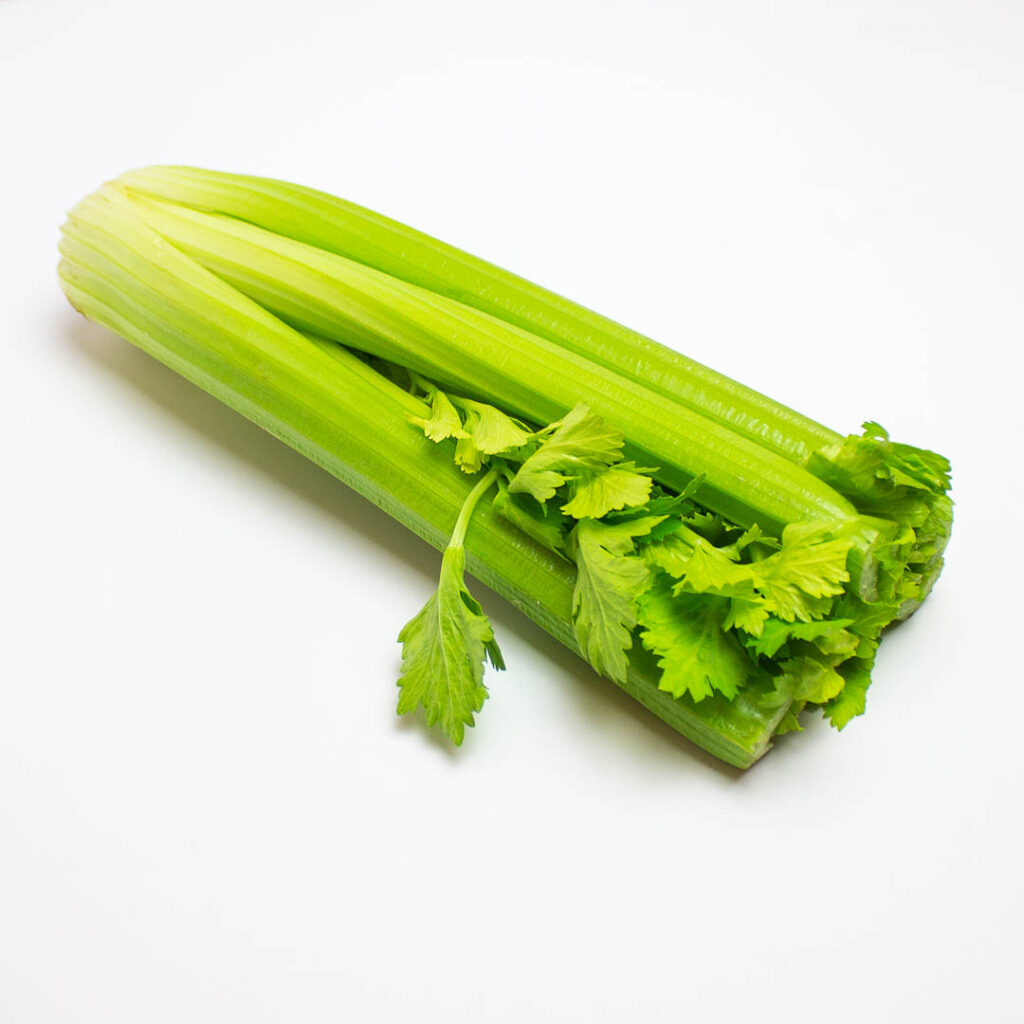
{"type": "Point", "coordinates": [208, 810]}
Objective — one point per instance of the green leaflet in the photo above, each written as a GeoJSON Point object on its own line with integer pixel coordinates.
{"type": "Point", "coordinates": [791, 720]}
{"type": "Point", "coordinates": [610, 490]}
{"type": "Point", "coordinates": [838, 645]}
{"type": "Point", "coordinates": [775, 634]}
{"type": "Point", "coordinates": [492, 431]}
{"type": "Point", "coordinates": [445, 644]}
{"type": "Point", "coordinates": [747, 614]}
{"type": "Point", "coordinates": [867, 620]}
{"type": "Point", "coordinates": [851, 700]}
{"type": "Point", "coordinates": [702, 568]}
{"type": "Point", "coordinates": [674, 507]}
{"type": "Point", "coordinates": [443, 421]}
{"type": "Point", "coordinates": [807, 677]}
{"type": "Point", "coordinates": [610, 579]}
{"type": "Point", "coordinates": [487, 431]}
{"type": "Point", "coordinates": [579, 445]}
{"type": "Point", "coordinates": [695, 654]}
{"type": "Point", "coordinates": [443, 650]}
{"type": "Point", "coordinates": [805, 572]}
{"type": "Point", "coordinates": [484, 431]}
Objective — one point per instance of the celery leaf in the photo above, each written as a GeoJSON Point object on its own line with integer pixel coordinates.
{"type": "Point", "coordinates": [609, 580]}
{"type": "Point", "coordinates": [852, 699]}
{"type": "Point", "coordinates": [579, 445]}
{"type": "Point", "coordinates": [609, 490]}
{"type": "Point", "coordinates": [807, 677]}
{"type": "Point", "coordinates": [695, 653]}
{"type": "Point", "coordinates": [443, 421]}
{"type": "Point", "coordinates": [790, 720]}
{"type": "Point", "coordinates": [804, 573]}
{"type": "Point", "coordinates": [443, 650]}
{"type": "Point", "coordinates": [747, 613]}
{"type": "Point", "coordinates": [487, 431]}
{"type": "Point", "coordinates": [776, 634]}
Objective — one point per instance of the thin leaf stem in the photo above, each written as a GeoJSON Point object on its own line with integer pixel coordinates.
{"type": "Point", "coordinates": [466, 512]}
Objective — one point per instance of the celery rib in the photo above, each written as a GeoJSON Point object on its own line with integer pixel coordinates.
{"type": "Point", "coordinates": [352, 231]}
{"type": "Point", "coordinates": [473, 351]}
{"type": "Point", "coordinates": [126, 277]}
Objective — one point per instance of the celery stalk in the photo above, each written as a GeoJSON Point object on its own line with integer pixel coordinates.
{"type": "Point", "coordinates": [346, 229]}
{"type": "Point", "coordinates": [348, 419]}
{"type": "Point", "coordinates": [486, 357]}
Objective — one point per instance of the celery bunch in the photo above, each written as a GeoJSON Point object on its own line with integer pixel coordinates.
{"type": "Point", "coordinates": [723, 559]}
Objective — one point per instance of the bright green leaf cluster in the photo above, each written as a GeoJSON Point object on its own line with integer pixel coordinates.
{"type": "Point", "coordinates": [722, 609]}
{"type": "Point", "coordinates": [610, 581]}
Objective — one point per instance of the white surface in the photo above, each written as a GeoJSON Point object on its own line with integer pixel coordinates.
{"type": "Point", "coordinates": [208, 811]}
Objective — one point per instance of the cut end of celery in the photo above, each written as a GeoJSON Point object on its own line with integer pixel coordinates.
{"type": "Point", "coordinates": [903, 485]}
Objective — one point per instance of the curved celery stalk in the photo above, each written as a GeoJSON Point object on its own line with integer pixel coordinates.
{"type": "Point", "coordinates": [349, 230]}
{"type": "Point", "coordinates": [348, 419]}
{"type": "Point", "coordinates": [472, 351]}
